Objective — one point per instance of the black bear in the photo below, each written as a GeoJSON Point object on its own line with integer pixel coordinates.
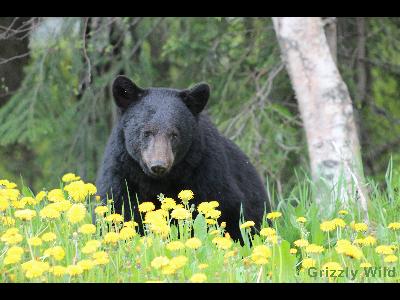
{"type": "Point", "coordinates": [163, 143]}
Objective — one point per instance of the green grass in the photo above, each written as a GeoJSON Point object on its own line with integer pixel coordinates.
{"type": "Point", "coordinates": [130, 260]}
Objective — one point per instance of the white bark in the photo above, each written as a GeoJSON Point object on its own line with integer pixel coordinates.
{"type": "Point", "coordinates": [326, 110]}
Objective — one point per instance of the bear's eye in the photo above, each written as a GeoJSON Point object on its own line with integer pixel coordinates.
{"type": "Point", "coordinates": [174, 135]}
{"type": "Point", "coordinates": [147, 133]}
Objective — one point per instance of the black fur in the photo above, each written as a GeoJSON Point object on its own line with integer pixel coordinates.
{"type": "Point", "coordinates": [206, 162]}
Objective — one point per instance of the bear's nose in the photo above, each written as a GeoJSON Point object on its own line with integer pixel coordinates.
{"type": "Point", "coordinates": [158, 169]}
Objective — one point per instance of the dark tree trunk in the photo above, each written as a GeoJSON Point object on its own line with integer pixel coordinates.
{"type": "Point", "coordinates": [14, 49]}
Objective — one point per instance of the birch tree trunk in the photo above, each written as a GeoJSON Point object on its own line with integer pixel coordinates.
{"type": "Point", "coordinates": [326, 111]}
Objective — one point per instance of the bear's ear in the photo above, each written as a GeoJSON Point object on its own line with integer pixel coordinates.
{"type": "Point", "coordinates": [125, 91]}
{"type": "Point", "coordinates": [196, 97]}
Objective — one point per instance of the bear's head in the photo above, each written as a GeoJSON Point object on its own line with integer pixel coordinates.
{"type": "Point", "coordinates": [158, 123]}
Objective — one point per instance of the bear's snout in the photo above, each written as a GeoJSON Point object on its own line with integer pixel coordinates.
{"type": "Point", "coordinates": [158, 157]}
{"type": "Point", "coordinates": [159, 168]}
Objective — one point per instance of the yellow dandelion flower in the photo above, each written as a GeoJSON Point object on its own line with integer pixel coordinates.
{"type": "Point", "coordinates": [211, 222]}
{"type": "Point", "coordinates": [18, 204]}
{"type": "Point", "coordinates": [343, 212]}
{"type": "Point", "coordinates": [313, 248]}
{"type": "Point", "coordinates": [29, 200]}
{"type": "Point", "coordinates": [168, 203]}
{"type": "Point", "coordinates": [180, 214]}
{"type": "Point", "coordinates": [9, 194]}
{"type": "Point", "coordinates": [390, 258]}
{"type": "Point", "coordinates": [49, 236]}
{"type": "Point", "coordinates": [369, 241]}
{"type": "Point", "coordinates": [301, 220]}
{"type": "Point", "coordinates": [25, 214]}
{"type": "Point", "coordinates": [55, 195]}
{"type": "Point", "coordinates": [384, 249]}
{"type": "Point", "coordinates": [159, 262]}
{"type": "Point", "coordinates": [11, 236]}
{"type": "Point", "coordinates": [168, 270]}
{"type": "Point", "coordinates": [198, 278]}
{"type": "Point", "coordinates": [101, 258]}
{"type": "Point", "coordinates": [223, 243]}
{"type": "Point", "coordinates": [301, 243]}
{"type": "Point", "coordinates": [175, 246]}
{"type": "Point", "coordinates": [339, 222]}
{"type": "Point", "coordinates": [162, 229]}
{"type": "Point", "coordinates": [268, 231]}
{"type": "Point", "coordinates": [76, 213]}
{"type": "Point", "coordinates": [146, 207]}
{"type": "Point", "coordinates": [86, 264]}
{"type": "Point", "coordinates": [193, 243]}
{"type": "Point", "coordinates": [58, 271]}
{"type": "Point", "coordinates": [78, 190]}
{"type": "Point", "coordinates": [34, 268]}
{"type": "Point", "coordinates": [127, 233]}
{"type": "Point", "coordinates": [13, 255]}
{"type": "Point", "coordinates": [213, 214]}
{"type": "Point", "coordinates": [91, 189]}
{"type": "Point", "coordinates": [158, 216]}
{"type": "Point", "coordinates": [247, 224]}
{"type": "Point", "coordinates": [214, 204]}
{"type": "Point", "coordinates": [40, 196]}
{"type": "Point", "coordinates": [111, 238]}
{"type": "Point", "coordinates": [61, 206]}
{"type": "Point", "coordinates": [7, 184]}
{"type": "Point", "coordinates": [91, 246]}
{"type": "Point", "coordinates": [70, 177]}
{"type": "Point", "coordinates": [274, 215]}
{"type": "Point", "coordinates": [293, 251]}
{"type": "Point", "coordinates": [130, 224]}
{"type": "Point", "coordinates": [394, 226]}
{"type": "Point", "coordinates": [186, 195]}
{"type": "Point", "coordinates": [359, 226]}
{"type": "Point", "coordinates": [74, 270]}
{"type": "Point", "coordinates": [49, 212]}
{"type": "Point", "coordinates": [308, 263]}
{"type": "Point", "coordinates": [35, 241]}
{"type": "Point", "coordinates": [178, 262]}
{"type": "Point", "coordinates": [56, 252]}
{"type": "Point", "coordinates": [204, 207]}
{"type": "Point", "coordinates": [4, 204]}
{"type": "Point", "coordinates": [10, 259]}
{"type": "Point", "coordinates": [349, 250]}
{"type": "Point", "coordinates": [87, 229]}
{"type": "Point", "coordinates": [261, 254]}
{"type": "Point", "coordinates": [101, 210]}
{"type": "Point", "coordinates": [327, 226]}
{"type": "Point", "coordinates": [115, 218]}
